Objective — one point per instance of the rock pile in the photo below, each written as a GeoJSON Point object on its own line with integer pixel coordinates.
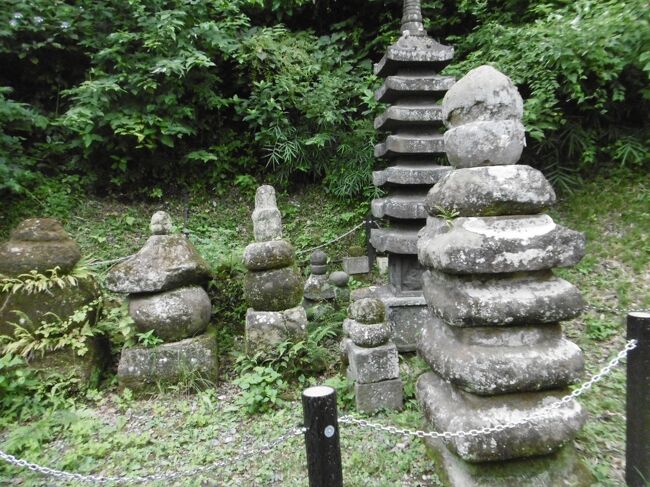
{"type": "Point", "coordinates": [494, 341]}
{"type": "Point", "coordinates": [373, 362]}
{"type": "Point", "coordinates": [164, 283]}
{"type": "Point", "coordinates": [273, 287]}
{"type": "Point", "coordinates": [411, 151]}
{"type": "Point", "coordinates": [41, 245]}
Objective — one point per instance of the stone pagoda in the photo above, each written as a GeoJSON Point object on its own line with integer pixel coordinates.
{"type": "Point", "coordinates": [410, 152]}
{"type": "Point", "coordinates": [494, 340]}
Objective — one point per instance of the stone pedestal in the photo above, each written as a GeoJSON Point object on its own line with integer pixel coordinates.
{"type": "Point", "coordinates": [412, 155]}
{"type": "Point", "coordinates": [493, 339]}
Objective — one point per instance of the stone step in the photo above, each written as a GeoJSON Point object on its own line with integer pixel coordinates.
{"type": "Point", "coordinates": [488, 361]}
{"type": "Point", "coordinates": [416, 174]}
{"type": "Point", "coordinates": [403, 206]}
{"type": "Point", "coordinates": [399, 144]}
{"type": "Point", "coordinates": [414, 52]}
{"type": "Point", "coordinates": [395, 87]}
{"type": "Point", "coordinates": [498, 244]}
{"type": "Point", "coordinates": [401, 115]}
{"type": "Point", "coordinates": [396, 240]}
{"type": "Point", "coordinates": [448, 408]}
{"type": "Point", "coordinates": [504, 300]}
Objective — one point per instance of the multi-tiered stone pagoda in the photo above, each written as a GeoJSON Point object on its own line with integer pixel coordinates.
{"type": "Point", "coordinates": [494, 340]}
{"type": "Point", "coordinates": [413, 143]}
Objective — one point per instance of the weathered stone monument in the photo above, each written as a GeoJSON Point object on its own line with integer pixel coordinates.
{"type": "Point", "coordinates": [273, 287]}
{"type": "Point", "coordinates": [494, 340]}
{"type": "Point", "coordinates": [318, 289]}
{"type": "Point", "coordinates": [40, 246]}
{"type": "Point", "coordinates": [412, 152]}
{"type": "Point", "coordinates": [372, 358]}
{"type": "Point", "coordinates": [164, 285]}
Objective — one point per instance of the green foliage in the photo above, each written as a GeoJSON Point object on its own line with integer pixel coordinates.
{"type": "Point", "coordinates": [148, 339]}
{"type": "Point", "coordinates": [583, 70]}
{"type": "Point", "coordinates": [33, 281]}
{"type": "Point", "coordinates": [17, 384]}
{"type": "Point", "coordinates": [261, 388]}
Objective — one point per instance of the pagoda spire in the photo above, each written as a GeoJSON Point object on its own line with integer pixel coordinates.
{"type": "Point", "coordinates": [412, 18]}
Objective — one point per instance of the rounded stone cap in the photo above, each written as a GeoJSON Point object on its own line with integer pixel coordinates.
{"type": "Point", "coordinates": [368, 335]}
{"type": "Point", "coordinates": [339, 278]}
{"type": "Point", "coordinates": [367, 310]}
{"type": "Point", "coordinates": [39, 230]}
{"type": "Point", "coordinates": [318, 257]}
{"type": "Point", "coordinates": [161, 223]}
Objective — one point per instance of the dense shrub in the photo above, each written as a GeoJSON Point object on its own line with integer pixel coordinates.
{"type": "Point", "coordinates": [151, 93]}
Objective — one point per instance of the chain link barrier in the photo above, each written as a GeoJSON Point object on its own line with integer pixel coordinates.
{"type": "Point", "coordinates": [102, 480]}
{"type": "Point", "coordinates": [356, 227]}
{"type": "Point", "coordinates": [541, 414]}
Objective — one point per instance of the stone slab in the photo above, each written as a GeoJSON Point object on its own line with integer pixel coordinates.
{"type": "Point", "coordinates": [356, 265]}
{"type": "Point", "coordinates": [398, 86]}
{"type": "Point", "coordinates": [477, 245]}
{"type": "Point", "coordinates": [417, 144]}
{"type": "Point", "coordinates": [500, 361]}
{"type": "Point", "coordinates": [373, 364]}
{"type": "Point", "coordinates": [410, 174]}
{"type": "Point", "coordinates": [491, 191]}
{"type": "Point", "coordinates": [192, 360]}
{"type": "Point", "coordinates": [503, 300]}
{"type": "Point", "coordinates": [413, 52]}
{"type": "Point", "coordinates": [559, 469]}
{"type": "Point", "coordinates": [385, 395]}
{"type": "Point", "coordinates": [23, 256]}
{"type": "Point", "coordinates": [266, 329]}
{"type": "Point", "coordinates": [403, 114]}
{"type": "Point", "coordinates": [398, 240]}
{"type": "Point", "coordinates": [317, 288]}
{"type": "Point", "coordinates": [448, 408]}
{"type": "Point", "coordinates": [405, 206]}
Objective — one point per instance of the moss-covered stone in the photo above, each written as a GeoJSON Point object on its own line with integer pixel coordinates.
{"type": "Point", "coordinates": [36, 306]}
{"type": "Point", "coordinates": [273, 290]}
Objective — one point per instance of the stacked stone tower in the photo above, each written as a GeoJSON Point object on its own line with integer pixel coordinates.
{"type": "Point", "coordinates": [494, 340]}
{"type": "Point", "coordinates": [273, 286]}
{"type": "Point", "coordinates": [373, 362]}
{"type": "Point", "coordinates": [413, 127]}
{"type": "Point", "coordinates": [165, 294]}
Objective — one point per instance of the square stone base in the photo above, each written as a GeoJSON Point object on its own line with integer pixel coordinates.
{"type": "Point", "coordinates": [559, 469]}
{"type": "Point", "coordinates": [368, 365]}
{"type": "Point", "coordinates": [371, 398]}
{"type": "Point", "coordinates": [407, 313]}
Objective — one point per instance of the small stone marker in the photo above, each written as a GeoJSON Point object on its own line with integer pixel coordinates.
{"type": "Point", "coordinates": [164, 282]}
{"type": "Point", "coordinates": [273, 287]}
{"type": "Point", "coordinates": [318, 289]}
{"type": "Point", "coordinates": [493, 340]}
{"type": "Point", "coordinates": [372, 358]}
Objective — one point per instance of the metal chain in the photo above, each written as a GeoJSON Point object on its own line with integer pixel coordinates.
{"type": "Point", "coordinates": [99, 479]}
{"type": "Point", "coordinates": [301, 252]}
{"type": "Point", "coordinates": [541, 414]}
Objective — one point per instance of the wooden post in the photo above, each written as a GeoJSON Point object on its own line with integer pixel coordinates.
{"type": "Point", "coordinates": [637, 470]}
{"type": "Point", "coordinates": [322, 437]}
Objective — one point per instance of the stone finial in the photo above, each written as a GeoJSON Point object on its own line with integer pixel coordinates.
{"type": "Point", "coordinates": [484, 112]}
{"type": "Point", "coordinates": [267, 221]}
{"type": "Point", "coordinates": [161, 223]}
{"type": "Point", "coordinates": [368, 310]}
{"type": "Point", "coordinates": [318, 263]}
{"type": "Point", "coordinates": [339, 278]}
{"type": "Point", "coordinates": [412, 18]}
